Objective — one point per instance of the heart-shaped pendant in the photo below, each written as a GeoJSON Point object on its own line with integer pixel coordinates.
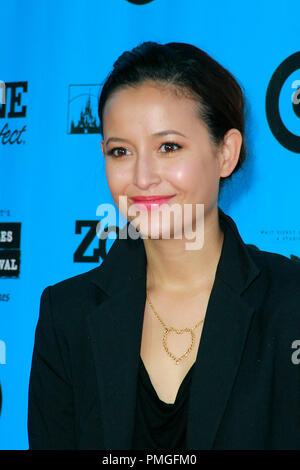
{"type": "Point", "coordinates": [178, 332]}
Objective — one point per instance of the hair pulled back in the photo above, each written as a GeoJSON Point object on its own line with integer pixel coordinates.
{"type": "Point", "coordinates": [189, 69]}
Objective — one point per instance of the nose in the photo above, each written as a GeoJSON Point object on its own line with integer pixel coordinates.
{"type": "Point", "coordinates": [146, 171]}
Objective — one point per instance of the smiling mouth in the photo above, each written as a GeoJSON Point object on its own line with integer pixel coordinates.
{"type": "Point", "coordinates": [150, 202]}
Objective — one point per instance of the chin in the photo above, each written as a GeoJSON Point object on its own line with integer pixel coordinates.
{"type": "Point", "coordinates": [155, 227]}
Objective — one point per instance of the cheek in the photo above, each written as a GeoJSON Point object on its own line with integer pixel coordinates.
{"type": "Point", "coordinates": [197, 178]}
{"type": "Point", "coordinates": [116, 178]}
{"type": "Point", "coordinates": [189, 175]}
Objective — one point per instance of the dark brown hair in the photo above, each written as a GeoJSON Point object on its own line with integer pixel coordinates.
{"type": "Point", "coordinates": [188, 68]}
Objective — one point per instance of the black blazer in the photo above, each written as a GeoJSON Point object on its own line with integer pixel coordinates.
{"type": "Point", "coordinates": [245, 392]}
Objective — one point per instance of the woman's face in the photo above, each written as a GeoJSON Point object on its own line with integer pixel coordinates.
{"type": "Point", "coordinates": [154, 143]}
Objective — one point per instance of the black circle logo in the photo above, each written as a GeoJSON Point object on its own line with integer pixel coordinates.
{"type": "Point", "coordinates": [139, 2]}
{"type": "Point", "coordinates": [286, 138]}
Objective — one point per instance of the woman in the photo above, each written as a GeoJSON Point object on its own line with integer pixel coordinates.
{"type": "Point", "coordinates": [118, 362]}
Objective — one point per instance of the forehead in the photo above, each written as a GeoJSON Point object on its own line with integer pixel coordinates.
{"type": "Point", "coordinates": [150, 102]}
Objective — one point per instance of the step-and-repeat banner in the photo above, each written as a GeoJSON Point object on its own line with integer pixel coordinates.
{"type": "Point", "coordinates": [54, 57]}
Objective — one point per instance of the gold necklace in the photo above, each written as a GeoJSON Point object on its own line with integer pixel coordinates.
{"type": "Point", "coordinates": [179, 332]}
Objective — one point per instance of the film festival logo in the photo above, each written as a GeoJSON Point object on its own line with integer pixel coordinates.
{"type": "Point", "coordinates": [10, 254]}
{"type": "Point", "coordinates": [83, 109]}
{"type": "Point", "coordinates": [161, 219]}
{"type": "Point", "coordinates": [12, 107]}
{"type": "Point", "coordinates": [282, 83]}
{"type": "Point", "coordinates": [10, 237]}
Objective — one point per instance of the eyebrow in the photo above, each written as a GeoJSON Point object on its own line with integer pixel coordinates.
{"type": "Point", "coordinates": [156, 134]}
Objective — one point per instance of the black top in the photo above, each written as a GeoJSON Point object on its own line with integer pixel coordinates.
{"type": "Point", "coordinates": [160, 425]}
{"type": "Point", "coordinates": [83, 383]}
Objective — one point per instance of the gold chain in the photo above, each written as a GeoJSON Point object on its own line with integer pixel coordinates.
{"type": "Point", "coordinates": [178, 331]}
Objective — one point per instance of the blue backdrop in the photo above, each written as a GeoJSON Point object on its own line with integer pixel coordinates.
{"type": "Point", "coordinates": [54, 57]}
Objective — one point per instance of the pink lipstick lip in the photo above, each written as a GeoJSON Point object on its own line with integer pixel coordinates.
{"type": "Point", "coordinates": [150, 199]}
{"type": "Point", "coordinates": [150, 203]}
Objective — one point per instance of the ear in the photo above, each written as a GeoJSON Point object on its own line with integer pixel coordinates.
{"type": "Point", "coordinates": [102, 146]}
{"type": "Point", "coordinates": [230, 151]}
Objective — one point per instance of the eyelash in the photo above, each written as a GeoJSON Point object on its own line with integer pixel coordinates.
{"type": "Point", "coordinates": [111, 152]}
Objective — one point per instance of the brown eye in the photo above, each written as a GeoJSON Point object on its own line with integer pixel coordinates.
{"type": "Point", "coordinates": [170, 147]}
{"type": "Point", "coordinates": [117, 152]}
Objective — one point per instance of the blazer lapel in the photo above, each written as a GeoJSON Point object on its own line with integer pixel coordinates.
{"type": "Point", "coordinates": [227, 321]}
{"type": "Point", "coordinates": [222, 341]}
{"type": "Point", "coordinates": [116, 331]}
{"type": "Point", "coordinates": [115, 327]}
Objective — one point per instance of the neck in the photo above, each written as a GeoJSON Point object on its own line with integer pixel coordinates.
{"type": "Point", "coordinates": [173, 268]}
